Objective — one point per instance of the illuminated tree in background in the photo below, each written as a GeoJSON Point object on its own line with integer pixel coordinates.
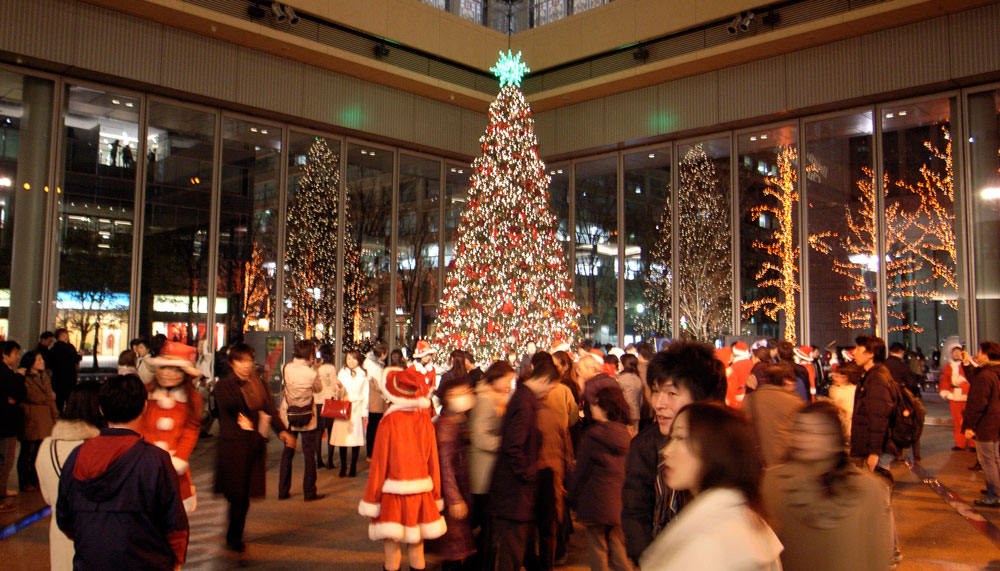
{"type": "Point", "coordinates": [782, 271]}
{"type": "Point", "coordinates": [256, 291]}
{"type": "Point", "coordinates": [920, 245]}
{"type": "Point", "coordinates": [508, 283]}
{"type": "Point", "coordinates": [659, 280]}
{"type": "Point", "coordinates": [705, 277]}
{"type": "Point", "coordinates": [311, 252]}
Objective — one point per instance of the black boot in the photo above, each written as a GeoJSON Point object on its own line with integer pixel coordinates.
{"type": "Point", "coordinates": [354, 461]}
{"type": "Point", "coordinates": [343, 462]}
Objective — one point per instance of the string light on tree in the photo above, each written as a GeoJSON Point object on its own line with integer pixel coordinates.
{"type": "Point", "coordinates": [256, 295]}
{"type": "Point", "coordinates": [508, 283]}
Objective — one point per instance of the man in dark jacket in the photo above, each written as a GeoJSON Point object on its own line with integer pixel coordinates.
{"type": "Point", "coordinates": [118, 494]}
{"type": "Point", "coordinates": [513, 486]}
{"type": "Point", "coordinates": [981, 418]}
{"type": "Point", "coordinates": [65, 363]}
{"type": "Point", "coordinates": [12, 394]}
{"type": "Point", "coordinates": [900, 371]}
{"type": "Point", "coordinates": [874, 404]}
{"type": "Point", "coordinates": [685, 372]}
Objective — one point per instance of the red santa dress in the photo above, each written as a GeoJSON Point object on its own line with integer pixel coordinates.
{"type": "Point", "coordinates": [172, 421]}
{"type": "Point", "coordinates": [403, 495]}
{"type": "Point", "coordinates": [954, 388]}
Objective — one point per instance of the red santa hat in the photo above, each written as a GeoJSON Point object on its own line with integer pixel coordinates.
{"type": "Point", "coordinates": [559, 343]}
{"type": "Point", "coordinates": [178, 355]}
{"type": "Point", "coordinates": [406, 389]}
{"type": "Point", "coordinates": [740, 351]}
{"type": "Point", "coordinates": [803, 353]}
{"type": "Point", "coordinates": [423, 349]}
{"type": "Point", "coordinates": [724, 354]}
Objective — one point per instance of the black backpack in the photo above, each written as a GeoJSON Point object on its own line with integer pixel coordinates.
{"type": "Point", "coordinates": [907, 419]}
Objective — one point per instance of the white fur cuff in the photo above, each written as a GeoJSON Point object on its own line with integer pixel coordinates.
{"type": "Point", "coordinates": [369, 509]}
{"type": "Point", "coordinates": [180, 465]}
{"type": "Point", "coordinates": [440, 504]}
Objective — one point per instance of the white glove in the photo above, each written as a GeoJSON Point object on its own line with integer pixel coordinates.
{"type": "Point", "coordinates": [180, 465]}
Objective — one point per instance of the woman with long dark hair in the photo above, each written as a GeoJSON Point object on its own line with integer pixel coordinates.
{"type": "Point", "coordinates": [712, 454]}
{"type": "Point", "coordinates": [328, 378]}
{"type": "Point", "coordinates": [350, 432]}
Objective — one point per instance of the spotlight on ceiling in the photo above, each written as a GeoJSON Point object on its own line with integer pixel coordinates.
{"type": "Point", "coordinates": [279, 13]}
{"type": "Point", "coordinates": [293, 18]}
{"type": "Point", "coordinates": [734, 25]}
{"type": "Point", "coordinates": [380, 50]}
{"type": "Point", "coordinates": [745, 22]}
{"type": "Point", "coordinates": [641, 54]}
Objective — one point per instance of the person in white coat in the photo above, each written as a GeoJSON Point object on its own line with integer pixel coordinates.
{"type": "Point", "coordinates": [331, 390]}
{"type": "Point", "coordinates": [713, 455]}
{"type": "Point", "coordinates": [350, 433]}
{"type": "Point", "coordinates": [81, 420]}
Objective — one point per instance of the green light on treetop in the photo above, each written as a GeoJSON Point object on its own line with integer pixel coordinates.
{"type": "Point", "coordinates": [510, 69]}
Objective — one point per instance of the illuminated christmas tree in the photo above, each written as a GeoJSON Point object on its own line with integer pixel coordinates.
{"type": "Point", "coordinates": [658, 284]}
{"type": "Point", "coordinates": [704, 289]}
{"type": "Point", "coordinates": [311, 252]}
{"type": "Point", "coordinates": [257, 294]}
{"type": "Point", "coordinates": [508, 283]}
{"type": "Point", "coordinates": [782, 270]}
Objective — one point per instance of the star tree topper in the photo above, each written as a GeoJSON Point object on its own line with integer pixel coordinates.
{"type": "Point", "coordinates": [510, 69]}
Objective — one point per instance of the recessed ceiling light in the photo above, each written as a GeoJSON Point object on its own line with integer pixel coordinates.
{"type": "Point", "coordinates": [652, 155]}
{"type": "Point", "coordinates": [762, 137]}
{"type": "Point", "coordinates": [754, 138]}
{"type": "Point", "coordinates": [902, 113]}
{"type": "Point", "coordinates": [116, 102]}
{"type": "Point", "coordinates": [889, 115]}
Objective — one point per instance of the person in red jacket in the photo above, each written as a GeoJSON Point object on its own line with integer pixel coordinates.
{"type": "Point", "coordinates": [954, 388]}
{"type": "Point", "coordinates": [738, 374]}
{"type": "Point", "coordinates": [403, 495]}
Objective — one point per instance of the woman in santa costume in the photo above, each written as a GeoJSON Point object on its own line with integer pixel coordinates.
{"type": "Point", "coordinates": [954, 388]}
{"type": "Point", "coordinates": [172, 419]}
{"type": "Point", "coordinates": [403, 496]}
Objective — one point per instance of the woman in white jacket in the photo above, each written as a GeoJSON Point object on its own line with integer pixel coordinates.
{"type": "Point", "coordinates": [713, 455]}
{"type": "Point", "coordinates": [81, 420]}
{"type": "Point", "coordinates": [350, 433]}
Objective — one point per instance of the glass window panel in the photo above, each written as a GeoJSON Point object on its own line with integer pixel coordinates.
{"type": "Point", "coordinates": [369, 187]}
{"type": "Point", "coordinates": [456, 194]}
{"type": "Point", "coordinates": [25, 141]}
{"type": "Point", "coordinates": [248, 219]}
{"type": "Point", "coordinates": [922, 281]}
{"type": "Point", "coordinates": [648, 278]}
{"type": "Point", "coordinates": [418, 248]}
{"type": "Point", "coordinates": [769, 227]}
{"type": "Point", "coordinates": [96, 211]}
{"type": "Point", "coordinates": [175, 245]}
{"type": "Point", "coordinates": [704, 241]}
{"type": "Point", "coordinates": [841, 224]}
{"type": "Point", "coordinates": [984, 185]}
{"type": "Point", "coordinates": [559, 198]}
{"type": "Point", "coordinates": [596, 282]}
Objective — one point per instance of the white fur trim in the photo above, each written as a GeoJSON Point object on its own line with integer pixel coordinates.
{"type": "Point", "coordinates": [946, 395]}
{"type": "Point", "coordinates": [409, 534]}
{"type": "Point", "coordinates": [369, 509]}
{"type": "Point", "coordinates": [561, 347]}
{"type": "Point", "coordinates": [440, 504]}
{"type": "Point", "coordinates": [408, 404]}
{"type": "Point", "coordinates": [180, 465]}
{"type": "Point", "coordinates": [407, 487]}
{"type": "Point", "coordinates": [191, 503]}
{"type": "Point", "coordinates": [812, 390]}
{"type": "Point", "coordinates": [164, 423]}
{"type": "Point", "coordinates": [434, 529]}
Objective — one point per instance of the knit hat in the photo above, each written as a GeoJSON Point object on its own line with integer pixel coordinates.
{"type": "Point", "coordinates": [803, 353]}
{"type": "Point", "coordinates": [406, 389]}
{"type": "Point", "coordinates": [423, 349]}
{"type": "Point", "coordinates": [740, 351]}
{"type": "Point", "coordinates": [178, 355]}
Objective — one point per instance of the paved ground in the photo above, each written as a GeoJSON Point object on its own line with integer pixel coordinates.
{"type": "Point", "coordinates": [329, 534]}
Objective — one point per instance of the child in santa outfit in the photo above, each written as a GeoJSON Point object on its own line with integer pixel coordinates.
{"type": "Point", "coordinates": [423, 365]}
{"type": "Point", "coordinates": [172, 419]}
{"type": "Point", "coordinates": [403, 496]}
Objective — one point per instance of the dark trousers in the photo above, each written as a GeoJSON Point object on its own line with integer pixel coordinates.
{"type": "Point", "coordinates": [373, 420]}
{"type": "Point", "coordinates": [355, 450]}
{"type": "Point", "coordinates": [310, 438]}
{"type": "Point", "coordinates": [547, 519]}
{"type": "Point", "coordinates": [510, 540]}
{"type": "Point", "coordinates": [481, 518]}
{"type": "Point", "coordinates": [26, 474]}
{"type": "Point", "coordinates": [237, 520]}
{"type": "Point", "coordinates": [323, 424]}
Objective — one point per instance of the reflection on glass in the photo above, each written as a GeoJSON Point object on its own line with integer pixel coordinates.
{"type": "Point", "coordinates": [95, 222]}
{"type": "Point", "coordinates": [248, 218]}
{"type": "Point", "coordinates": [841, 225]}
{"type": "Point", "coordinates": [921, 274]}
{"type": "Point", "coordinates": [704, 288]}
{"type": "Point", "coordinates": [418, 248]}
{"type": "Point", "coordinates": [648, 278]}
{"type": "Point", "coordinates": [369, 188]}
{"type": "Point", "coordinates": [984, 184]}
{"type": "Point", "coordinates": [559, 199]}
{"type": "Point", "coordinates": [596, 282]}
{"type": "Point", "coordinates": [769, 245]}
{"type": "Point", "coordinates": [175, 246]}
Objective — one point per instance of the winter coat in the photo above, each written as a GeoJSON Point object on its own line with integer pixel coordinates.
{"type": "Point", "coordinates": [485, 422]}
{"type": "Point", "coordinates": [64, 360]}
{"type": "Point", "coordinates": [639, 490]}
{"type": "Point", "coordinates": [594, 385]}
{"type": "Point", "coordinates": [982, 411]}
{"type": "Point", "coordinates": [736, 382]}
{"type": "Point", "coordinates": [594, 489]}
{"type": "Point", "coordinates": [772, 411]}
{"type": "Point", "coordinates": [241, 455]}
{"type": "Point", "coordinates": [843, 397]}
{"type": "Point", "coordinates": [716, 531]}
{"type": "Point", "coordinates": [452, 435]}
{"type": "Point", "coordinates": [39, 406]}
{"type": "Point", "coordinates": [874, 404]}
{"type": "Point", "coordinates": [902, 374]}
{"type": "Point", "coordinates": [302, 384]}
{"type": "Point", "coordinates": [556, 450]}
{"type": "Point", "coordinates": [373, 366]}
{"type": "Point", "coordinates": [351, 431]}
{"type": "Point", "coordinates": [512, 488]}
{"type": "Point", "coordinates": [118, 500]}
{"type": "Point", "coordinates": [172, 421]}
{"type": "Point", "coordinates": [52, 454]}
{"type": "Point", "coordinates": [631, 386]}
{"type": "Point", "coordinates": [845, 531]}
{"type": "Point", "coordinates": [11, 415]}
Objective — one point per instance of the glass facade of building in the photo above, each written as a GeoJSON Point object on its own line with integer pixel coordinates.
{"type": "Point", "coordinates": [880, 219]}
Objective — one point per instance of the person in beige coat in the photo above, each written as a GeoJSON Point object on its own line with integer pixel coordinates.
{"type": "Point", "coordinates": [772, 409]}
{"type": "Point", "coordinates": [828, 514]}
{"type": "Point", "coordinates": [81, 420]}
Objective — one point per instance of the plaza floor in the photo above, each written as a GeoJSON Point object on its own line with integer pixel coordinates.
{"type": "Point", "coordinates": [330, 535]}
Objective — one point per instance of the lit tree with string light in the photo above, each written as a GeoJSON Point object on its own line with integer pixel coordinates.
{"type": "Point", "coordinates": [257, 294]}
{"type": "Point", "coordinates": [658, 284]}
{"type": "Point", "coordinates": [781, 271]}
{"type": "Point", "coordinates": [508, 283]}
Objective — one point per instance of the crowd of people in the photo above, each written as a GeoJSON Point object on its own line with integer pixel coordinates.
{"type": "Point", "coordinates": [691, 457]}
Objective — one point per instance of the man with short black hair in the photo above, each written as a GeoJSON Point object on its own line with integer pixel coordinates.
{"type": "Point", "coordinates": [683, 373]}
{"type": "Point", "coordinates": [64, 361]}
{"type": "Point", "coordinates": [900, 371]}
{"type": "Point", "coordinates": [45, 342]}
{"type": "Point", "coordinates": [874, 404]}
{"type": "Point", "coordinates": [982, 416]}
{"type": "Point", "coordinates": [118, 494]}
{"type": "Point", "coordinates": [12, 394]}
